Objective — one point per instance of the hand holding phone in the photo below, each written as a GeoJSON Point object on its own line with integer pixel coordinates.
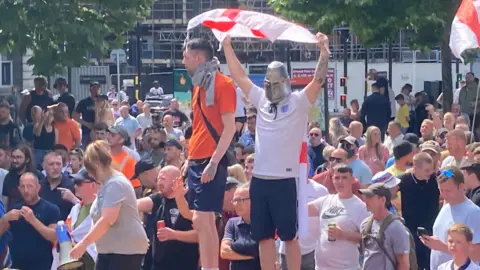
{"type": "Point", "coordinates": [422, 231]}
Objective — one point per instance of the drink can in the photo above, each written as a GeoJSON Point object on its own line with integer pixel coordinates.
{"type": "Point", "coordinates": [331, 224]}
{"type": "Point", "coordinates": [160, 224]}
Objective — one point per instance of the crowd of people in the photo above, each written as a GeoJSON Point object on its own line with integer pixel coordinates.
{"type": "Point", "coordinates": [146, 189]}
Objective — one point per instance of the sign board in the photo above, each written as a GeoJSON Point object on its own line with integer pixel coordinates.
{"type": "Point", "coordinates": [383, 74]}
{"type": "Point", "coordinates": [258, 79]}
{"type": "Point", "coordinates": [121, 54]}
{"type": "Point", "coordinates": [331, 83]}
{"type": "Point", "coordinates": [302, 76]}
{"type": "Point", "coordinates": [257, 69]}
{"type": "Point", "coordinates": [182, 83]}
{"type": "Point", "coordinates": [87, 79]}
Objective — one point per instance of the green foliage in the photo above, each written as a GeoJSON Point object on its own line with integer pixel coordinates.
{"type": "Point", "coordinates": [60, 33]}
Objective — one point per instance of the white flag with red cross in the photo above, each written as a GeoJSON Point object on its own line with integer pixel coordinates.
{"type": "Point", "coordinates": [465, 32]}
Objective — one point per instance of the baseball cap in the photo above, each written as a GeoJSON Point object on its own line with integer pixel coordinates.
{"type": "Point", "coordinates": [351, 140]}
{"type": "Point", "coordinates": [386, 178]}
{"type": "Point", "coordinates": [122, 131]}
{"type": "Point", "coordinates": [411, 138]}
{"type": "Point", "coordinates": [440, 131]}
{"type": "Point", "coordinates": [81, 177]}
{"type": "Point", "coordinates": [471, 166]}
{"type": "Point", "coordinates": [174, 143]}
{"type": "Point", "coordinates": [232, 182]}
{"type": "Point", "coordinates": [142, 166]}
{"type": "Point", "coordinates": [378, 189]}
{"type": "Point", "coordinates": [431, 145]}
{"type": "Point", "coordinates": [94, 83]}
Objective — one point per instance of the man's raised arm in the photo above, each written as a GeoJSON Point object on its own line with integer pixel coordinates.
{"type": "Point", "coordinates": [315, 86]}
{"type": "Point", "coordinates": [236, 70]}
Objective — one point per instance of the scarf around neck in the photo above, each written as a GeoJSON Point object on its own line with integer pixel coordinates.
{"type": "Point", "coordinates": [204, 77]}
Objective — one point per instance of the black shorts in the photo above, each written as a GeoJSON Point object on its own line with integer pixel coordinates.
{"type": "Point", "coordinates": [241, 119]}
{"type": "Point", "coordinates": [206, 197]}
{"type": "Point", "coordinates": [273, 208]}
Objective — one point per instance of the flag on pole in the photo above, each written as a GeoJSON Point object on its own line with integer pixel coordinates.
{"type": "Point", "coordinates": [250, 24]}
{"type": "Point", "coordinates": [465, 32]}
{"type": "Point", "coordinates": [302, 192]}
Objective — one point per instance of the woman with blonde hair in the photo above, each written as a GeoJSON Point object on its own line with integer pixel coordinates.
{"type": "Point", "coordinates": [117, 232]}
{"type": "Point", "coordinates": [374, 153]}
{"type": "Point", "coordinates": [336, 130]}
{"type": "Point", "coordinates": [237, 172]}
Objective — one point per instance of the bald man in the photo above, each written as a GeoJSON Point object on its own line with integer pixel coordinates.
{"type": "Point", "coordinates": [130, 123]}
{"type": "Point", "coordinates": [174, 248]}
{"type": "Point", "coordinates": [172, 132]}
{"type": "Point", "coordinates": [356, 130]}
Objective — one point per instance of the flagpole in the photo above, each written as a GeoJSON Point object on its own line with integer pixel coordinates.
{"type": "Point", "coordinates": [474, 114]}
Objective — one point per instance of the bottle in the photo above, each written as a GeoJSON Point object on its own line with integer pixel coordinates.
{"type": "Point", "coordinates": [331, 224]}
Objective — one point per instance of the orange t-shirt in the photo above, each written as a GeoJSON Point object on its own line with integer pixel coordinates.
{"type": "Point", "coordinates": [67, 133]}
{"type": "Point", "coordinates": [128, 169]}
{"type": "Point", "coordinates": [201, 144]}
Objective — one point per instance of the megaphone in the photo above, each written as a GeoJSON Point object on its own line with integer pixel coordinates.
{"type": "Point", "coordinates": [65, 243]}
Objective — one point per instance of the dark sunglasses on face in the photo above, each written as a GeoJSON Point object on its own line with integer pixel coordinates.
{"type": "Point", "coordinates": [314, 135]}
{"type": "Point", "coordinates": [345, 145]}
{"type": "Point", "coordinates": [335, 159]}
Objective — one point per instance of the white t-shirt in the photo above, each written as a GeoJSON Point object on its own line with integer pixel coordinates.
{"type": "Point", "coordinates": [279, 137]}
{"type": "Point", "coordinates": [347, 214]}
{"type": "Point", "coordinates": [309, 242]}
{"type": "Point", "coordinates": [156, 91]}
{"type": "Point", "coordinates": [144, 120]}
{"type": "Point", "coordinates": [450, 161]}
{"type": "Point", "coordinates": [240, 111]}
{"type": "Point", "coordinates": [449, 265]}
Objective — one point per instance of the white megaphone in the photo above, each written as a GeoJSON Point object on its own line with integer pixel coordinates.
{"type": "Point", "coordinates": [65, 243]}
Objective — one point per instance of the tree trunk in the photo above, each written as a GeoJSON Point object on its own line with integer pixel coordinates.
{"type": "Point", "coordinates": [446, 72]}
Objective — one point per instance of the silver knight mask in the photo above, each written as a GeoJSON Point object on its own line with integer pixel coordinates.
{"type": "Point", "coordinates": [277, 82]}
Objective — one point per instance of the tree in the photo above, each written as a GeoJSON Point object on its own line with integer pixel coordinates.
{"type": "Point", "coordinates": [378, 21]}
{"type": "Point", "coordinates": [61, 33]}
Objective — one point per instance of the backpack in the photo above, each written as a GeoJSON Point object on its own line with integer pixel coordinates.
{"type": "Point", "coordinates": [380, 239]}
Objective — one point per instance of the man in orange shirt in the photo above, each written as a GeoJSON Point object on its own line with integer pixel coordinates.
{"type": "Point", "coordinates": [213, 98]}
{"type": "Point", "coordinates": [67, 131]}
{"type": "Point", "coordinates": [125, 163]}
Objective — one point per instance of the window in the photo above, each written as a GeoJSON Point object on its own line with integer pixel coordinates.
{"type": "Point", "coordinates": [6, 73]}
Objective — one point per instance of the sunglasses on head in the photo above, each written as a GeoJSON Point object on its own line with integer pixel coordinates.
{"type": "Point", "coordinates": [446, 173]}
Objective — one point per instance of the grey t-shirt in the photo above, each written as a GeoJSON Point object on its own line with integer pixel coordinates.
{"type": "Point", "coordinates": [176, 134]}
{"type": "Point", "coordinates": [126, 235]}
{"type": "Point", "coordinates": [396, 242]}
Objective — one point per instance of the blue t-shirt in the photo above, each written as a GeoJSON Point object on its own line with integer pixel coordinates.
{"type": "Point", "coordinates": [467, 213]}
{"type": "Point", "coordinates": [130, 123]}
{"type": "Point", "coordinates": [361, 171]}
{"type": "Point", "coordinates": [29, 250]}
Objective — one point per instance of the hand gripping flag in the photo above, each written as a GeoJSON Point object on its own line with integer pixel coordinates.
{"type": "Point", "coordinates": [465, 32]}
{"type": "Point", "coordinates": [250, 24]}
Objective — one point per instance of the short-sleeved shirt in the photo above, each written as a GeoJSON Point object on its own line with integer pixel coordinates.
{"type": "Point", "coordinates": [144, 120]}
{"type": "Point", "coordinates": [86, 107]}
{"type": "Point", "coordinates": [361, 171]}
{"type": "Point", "coordinates": [325, 179]}
{"type": "Point", "coordinates": [396, 242]}
{"type": "Point", "coordinates": [28, 248]}
{"type": "Point", "coordinates": [125, 236]}
{"type": "Point", "coordinates": [279, 133]}
{"type": "Point", "coordinates": [55, 196]}
{"type": "Point", "coordinates": [68, 132]}
{"type": "Point", "coordinates": [176, 134]}
{"type": "Point", "coordinates": [69, 100]}
{"type": "Point", "coordinates": [128, 168]}
{"type": "Point", "coordinates": [201, 144]}
{"type": "Point", "coordinates": [449, 265]}
{"type": "Point", "coordinates": [347, 214]}
{"type": "Point", "coordinates": [402, 115]}
{"type": "Point", "coordinates": [130, 123]}
{"type": "Point", "coordinates": [179, 118]}
{"type": "Point", "coordinates": [467, 213]}
{"type": "Point", "coordinates": [238, 232]}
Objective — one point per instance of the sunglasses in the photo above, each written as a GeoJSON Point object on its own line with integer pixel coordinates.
{"type": "Point", "coordinates": [345, 145]}
{"type": "Point", "coordinates": [237, 201]}
{"type": "Point", "coordinates": [335, 159]}
{"type": "Point", "coordinates": [314, 135]}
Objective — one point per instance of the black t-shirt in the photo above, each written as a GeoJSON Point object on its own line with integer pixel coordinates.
{"type": "Point", "coordinates": [10, 134]}
{"type": "Point", "coordinates": [10, 187]}
{"type": "Point", "coordinates": [43, 101]}
{"type": "Point", "coordinates": [420, 201]}
{"type": "Point", "coordinates": [45, 141]}
{"type": "Point", "coordinates": [171, 255]}
{"type": "Point", "coordinates": [474, 195]}
{"type": "Point", "coordinates": [29, 250]}
{"type": "Point", "coordinates": [86, 107]}
{"type": "Point", "coordinates": [69, 100]}
{"type": "Point", "coordinates": [55, 196]}
{"type": "Point", "coordinates": [179, 118]}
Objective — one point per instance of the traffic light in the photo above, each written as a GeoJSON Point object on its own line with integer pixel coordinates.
{"type": "Point", "coordinates": [130, 52]}
{"type": "Point", "coordinates": [343, 100]}
{"type": "Point", "coordinates": [459, 77]}
{"type": "Point", "coordinates": [343, 81]}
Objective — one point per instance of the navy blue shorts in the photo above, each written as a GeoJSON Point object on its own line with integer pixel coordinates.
{"type": "Point", "coordinates": [206, 197]}
{"type": "Point", "coordinates": [273, 207]}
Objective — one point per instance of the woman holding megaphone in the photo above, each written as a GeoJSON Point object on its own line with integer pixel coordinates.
{"type": "Point", "coordinates": [117, 232]}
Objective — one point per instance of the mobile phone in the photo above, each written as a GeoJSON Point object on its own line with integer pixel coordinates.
{"type": "Point", "coordinates": [422, 231]}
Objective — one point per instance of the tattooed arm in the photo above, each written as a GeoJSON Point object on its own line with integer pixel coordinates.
{"type": "Point", "coordinates": [316, 85]}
